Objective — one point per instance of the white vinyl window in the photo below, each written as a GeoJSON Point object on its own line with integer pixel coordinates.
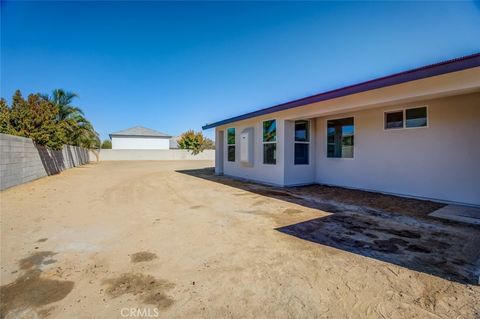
{"type": "Point", "coordinates": [302, 142]}
{"type": "Point", "coordinates": [394, 119]}
{"type": "Point", "coordinates": [231, 144]}
{"type": "Point", "coordinates": [269, 137]}
{"type": "Point", "coordinates": [406, 118]}
{"type": "Point", "coordinates": [340, 138]}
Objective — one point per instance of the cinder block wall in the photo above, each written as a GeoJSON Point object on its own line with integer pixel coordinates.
{"type": "Point", "coordinates": [152, 155]}
{"type": "Point", "coordinates": [22, 161]}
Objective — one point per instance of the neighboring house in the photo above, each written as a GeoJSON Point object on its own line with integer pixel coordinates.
{"type": "Point", "coordinates": [415, 133]}
{"type": "Point", "coordinates": [140, 138]}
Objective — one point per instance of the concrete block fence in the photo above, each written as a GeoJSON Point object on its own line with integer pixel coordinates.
{"type": "Point", "coordinates": [21, 160]}
{"type": "Point", "coordinates": [152, 155]}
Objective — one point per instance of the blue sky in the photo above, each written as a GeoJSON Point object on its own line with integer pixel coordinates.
{"type": "Point", "coordinates": [176, 66]}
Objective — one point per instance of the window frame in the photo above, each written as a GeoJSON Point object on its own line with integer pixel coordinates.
{"type": "Point", "coordinates": [426, 117]}
{"type": "Point", "coordinates": [390, 112]}
{"type": "Point", "coordinates": [354, 133]}
{"type": "Point", "coordinates": [308, 141]}
{"type": "Point", "coordinates": [404, 111]}
{"type": "Point", "coordinates": [230, 144]}
{"type": "Point", "coordinates": [269, 142]}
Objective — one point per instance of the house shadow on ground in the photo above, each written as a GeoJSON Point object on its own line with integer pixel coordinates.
{"type": "Point", "coordinates": [388, 228]}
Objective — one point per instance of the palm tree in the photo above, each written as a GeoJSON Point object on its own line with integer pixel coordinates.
{"type": "Point", "coordinates": [63, 101]}
{"type": "Point", "coordinates": [80, 131]}
{"type": "Point", "coordinates": [83, 134]}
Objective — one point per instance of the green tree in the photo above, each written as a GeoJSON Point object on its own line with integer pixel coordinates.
{"type": "Point", "coordinates": [195, 142]}
{"type": "Point", "coordinates": [50, 121]}
{"type": "Point", "coordinates": [107, 144]}
{"type": "Point", "coordinates": [36, 118]}
{"type": "Point", "coordinates": [5, 124]}
{"type": "Point", "coordinates": [80, 131]}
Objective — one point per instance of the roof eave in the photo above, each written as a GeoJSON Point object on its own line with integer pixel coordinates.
{"type": "Point", "coordinates": [454, 65]}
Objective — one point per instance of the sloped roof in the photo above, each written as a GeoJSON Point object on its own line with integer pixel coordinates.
{"type": "Point", "coordinates": [140, 131]}
{"type": "Point", "coordinates": [458, 64]}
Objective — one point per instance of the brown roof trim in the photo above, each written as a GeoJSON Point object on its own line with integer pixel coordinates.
{"type": "Point", "coordinates": [454, 65]}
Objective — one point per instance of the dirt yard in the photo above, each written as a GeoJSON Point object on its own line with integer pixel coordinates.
{"type": "Point", "coordinates": [169, 239]}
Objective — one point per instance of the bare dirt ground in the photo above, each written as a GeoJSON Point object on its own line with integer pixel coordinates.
{"type": "Point", "coordinates": [171, 238]}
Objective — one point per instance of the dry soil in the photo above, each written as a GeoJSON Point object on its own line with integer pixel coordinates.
{"type": "Point", "coordinates": [104, 237]}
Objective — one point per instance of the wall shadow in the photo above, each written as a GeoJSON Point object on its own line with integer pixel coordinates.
{"type": "Point", "coordinates": [53, 161]}
{"type": "Point", "coordinates": [387, 228]}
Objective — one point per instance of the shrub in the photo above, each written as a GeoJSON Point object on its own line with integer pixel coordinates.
{"type": "Point", "coordinates": [195, 141]}
{"type": "Point", "coordinates": [107, 144]}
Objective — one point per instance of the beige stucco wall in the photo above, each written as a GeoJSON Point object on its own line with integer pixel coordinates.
{"type": "Point", "coordinates": [438, 162]}
{"type": "Point", "coordinates": [151, 155]}
{"type": "Point", "coordinates": [284, 172]}
{"type": "Point", "coordinates": [299, 174]}
{"type": "Point", "coordinates": [441, 161]}
{"type": "Point", "coordinates": [266, 173]}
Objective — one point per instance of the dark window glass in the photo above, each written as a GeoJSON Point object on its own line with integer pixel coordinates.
{"type": "Point", "coordinates": [231, 153]}
{"type": "Point", "coordinates": [416, 117]}
{"type": "Point", "coordinates": [330, 150]}
{"type": "Point", "coordinates": [301, 131]}
{"type": "Point", "coordinates": [331, 135]}
{"type": "Point", "coordinates": [231, 136]}
{"type": "Point", "coordinates": [301, 153]}
{"type": "Point", "coordinates": [340, 138]}
{"type": "Point", "coordinates": [270, 153]}
{"type": "Point", "coordinates": [394, 120]}
{"type": "Point", "coordinates": [270, 131]}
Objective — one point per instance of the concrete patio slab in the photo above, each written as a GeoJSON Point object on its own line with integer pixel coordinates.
{"type": "Point", "coordinates": [464, 214]}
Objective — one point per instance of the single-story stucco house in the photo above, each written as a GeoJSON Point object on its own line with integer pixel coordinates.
{"type": "Point", "coordinates": [140, 138]}
{"type": "Point", "coordinates": [414, 133]}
